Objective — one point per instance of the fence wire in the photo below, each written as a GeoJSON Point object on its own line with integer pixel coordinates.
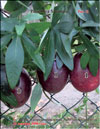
{"type": "Point", "coordinates": [52, 125]}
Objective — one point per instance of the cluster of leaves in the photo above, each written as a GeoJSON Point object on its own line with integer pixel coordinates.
{"type": "Point", "coordinates": [89, 35]}
{"type": "Point", "coordinates": [32, 38]}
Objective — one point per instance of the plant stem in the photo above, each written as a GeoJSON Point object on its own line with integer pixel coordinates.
{"type": "Point", "coordinates": [86, 111]}
{"type": "Point", "coordinates": [52, 8]}
{"type": "Point", "coordinates": [21, 3]}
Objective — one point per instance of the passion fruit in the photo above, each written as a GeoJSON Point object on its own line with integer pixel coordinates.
{"type": "Point", "coordinates": [22, 90]}
{"type": "Point", "coordinates": [82, 79]}
{"type": "Point", "coordinates": [57, 79]}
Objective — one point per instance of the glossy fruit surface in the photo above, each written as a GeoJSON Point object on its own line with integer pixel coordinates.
{"type": "Point", "coordinates": [82, 79]}
{"type": "Point", "coordinates": [22, 90]}
{"type": "Point", "coordinates": [56, 80]}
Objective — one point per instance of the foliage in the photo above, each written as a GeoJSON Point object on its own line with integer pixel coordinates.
{"type": "Point", "coordinates": [32, 36]}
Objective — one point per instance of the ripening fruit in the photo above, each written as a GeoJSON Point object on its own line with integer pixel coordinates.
{"type": "Point", "coordinates": [56, 80]}
{"type": "Point", "coordinates": [82, 79]}
{"type": "Point", "coordinates": [21, 91]}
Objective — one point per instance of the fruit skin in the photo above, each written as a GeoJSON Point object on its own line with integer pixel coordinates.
{"type": "Point", "coordinates": [82, 79]}
{"type": "Point", "coordinates": [22, 90]}
{"type": "Point", "coordinates": [56, 80]}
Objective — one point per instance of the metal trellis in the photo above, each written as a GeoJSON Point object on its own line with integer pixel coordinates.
{"type": "Point", "coordinates": [67, 111]}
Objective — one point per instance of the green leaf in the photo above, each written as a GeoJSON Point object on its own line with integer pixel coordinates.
{"type": "Point", "coordinates": [62, 53]}
{"type": "Point", "coordinates": [80, 48]}
{"type": "Point", "coordinates": [59, 62]}
{"type": "Point", "coordinates": [92, 32]}
{"type": "Point", "coordinates": [44, 39]}
{"type": "Point", "coordinates": [66, 18]}
{"type": "Point", "coordinates": [39, 61]}
{"type": "Point", "coordinates": [11, 8]}
{"type": "Point", "coordinates": [38, 27]}
{"type": "Point", "coordinates": [8, 24]}
{"type": "Point", "coordinates": [36, 95]}
{"type": "Point", "coordinates": [66, 43]}
{"type": "Point", "coordinates": [34, 36]}
{"type": "Point", "coordinates": [79, 109]}
{"type": "Point", "coordinates": [5, 40]}
{"type": "Point", "coordinates": [91, 2]}
{"type": "Point", "coordinates": [86, 32]}
{"type": "Point", "coordinates": [2, 17]}
{"type": "Point", "coordinates": [2, 60]}
{"type": "Point", "coordinates": [72, 33]}
{"type": "Point", "coordinates": [58, 13]}
{"type": "Point", "coordinates": [11, 113]}
{"type": "Point", "coordinates": [18, 12]}
{"type": "Point", "coordinates": [8, 120]}
{"type": "Point", "coordinates": [85, 101]}
{"type": "Point", "coordinates": [32, 16]}
{"type": "Point", "coordinates": [94, 11]}
{"type": "Point", "coordinates": [4, 86]}
{"type": "Point", "coordinates": [23, 116]}
{"type": "Point", "coordinates": [93, 65]}
{"type": "Point", "coordinates": [64, 27]}
{"type": "Point", "coordinates": [80, 15]}
{"type": "Point", "coordinates": [14, 61]}
{"type": "Point", "coordinates": [90, 24]}
{"type": "Point", "coordinates": [97, 5]}
{"type": "Point", "coordinates": [11, 99]}
{"type": "Point", "coordinates": [27, 58]}
{"type": "Point", "coordinates": [85, 7]}
{"type": "Point", "coordinates": [89, 45]}
{"type": "Point", "coordinates": [98, 90]}
{"type": "Point", "coordinates": [20, 28]}
{"type": "Point", "coordinates": [84, 60]}
{"type": "Point", "coordinates": [31, 49]}
{"type": "Point", "coordinates": [17, 8]}
{"type": "Point", "coordinates": [49, 55]}
{"type": "Point", "coordinates": [39, 6]}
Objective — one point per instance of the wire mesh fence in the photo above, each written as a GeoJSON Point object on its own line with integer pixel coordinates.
{"type": "Point", "coordinates": [52, 123]}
